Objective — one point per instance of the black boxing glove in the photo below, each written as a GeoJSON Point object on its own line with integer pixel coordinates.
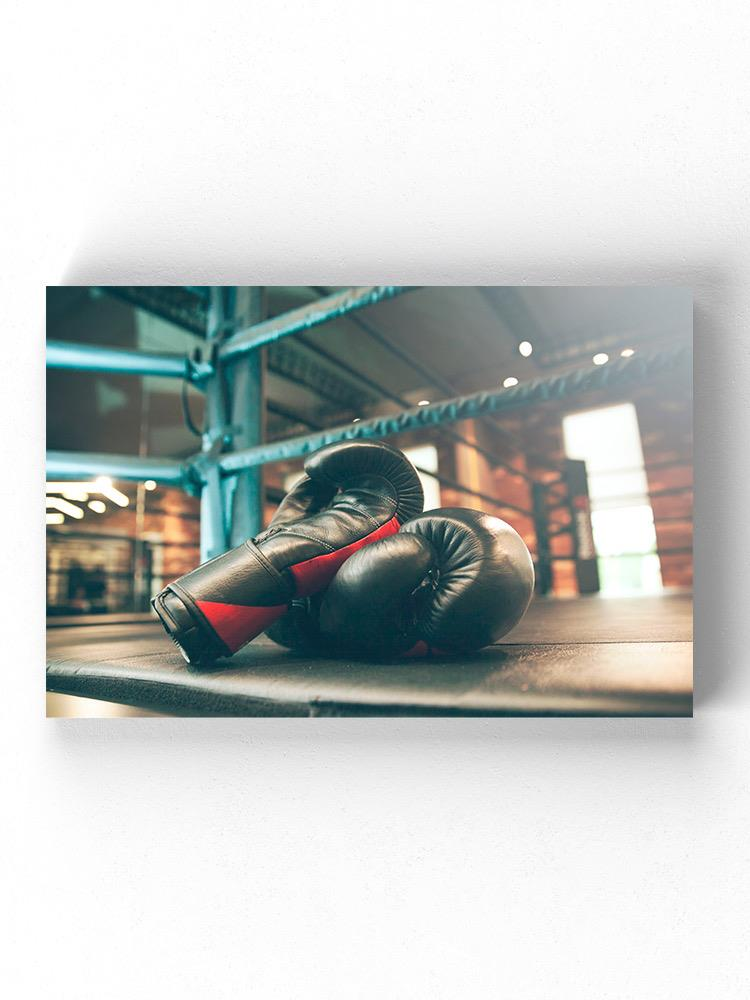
{"type": "Point", "coordinates": [452, 580]}
{"type": "Point", "coordinates": [353, 493]}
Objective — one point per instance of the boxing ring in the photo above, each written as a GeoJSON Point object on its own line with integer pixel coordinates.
{"type": "Point", "coordinates": [584, 656]}
{"type": "Point", "coordinates": [562, 659]}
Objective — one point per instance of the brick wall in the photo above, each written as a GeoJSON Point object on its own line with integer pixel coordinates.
{"type": "Point", "coordinates": [665, 421]}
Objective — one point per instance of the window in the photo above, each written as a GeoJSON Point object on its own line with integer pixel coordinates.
{"type": "Point", "coordinates": [609, 441]}
{"type": "Point", "coordinates": [425, 458]}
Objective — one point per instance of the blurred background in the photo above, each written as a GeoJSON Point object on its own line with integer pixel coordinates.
{"type": "Point", "coordinates": [111, 545]}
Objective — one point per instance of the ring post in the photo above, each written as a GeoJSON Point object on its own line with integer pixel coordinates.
{"type": "Point", "coordinates": [587, 569]}
{"type": "Point", "coordinates": [213, 532]}
{"type": "Point", "coordinates": [245, 382]}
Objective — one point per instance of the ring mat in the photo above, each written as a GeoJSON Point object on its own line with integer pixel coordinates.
{"type": "Point", "coordinates": [580, 656]}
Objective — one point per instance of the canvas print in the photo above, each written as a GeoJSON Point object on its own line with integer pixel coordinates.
{"type": "Point", "coordinates": [381, 501]}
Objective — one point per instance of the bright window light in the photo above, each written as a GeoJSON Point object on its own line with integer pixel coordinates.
{"type": "Point", "coordinates": [423, 402]}
{"type": "Point", "coordinates": [509, 382]}
{"type": "Point", "coordinates": [525, 349]}
{"type": "Point", "coordinates": [627, 352]}
{"type": "Point", "coordinates": [55, 518]}
{"type": "Point", "coordinates": [98, 506]}
{"type": "Point", "coordinates": [623, 530]}
{"type": "Point", "coordinates": [81, 490]}
{"type": "Point", "coordinates": [426, 457]}
{"type": "Point", "coordinates": [600, 359]}
{"type": "Point", "coordinates": [609, 441]}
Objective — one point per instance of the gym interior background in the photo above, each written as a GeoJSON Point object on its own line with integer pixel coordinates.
{"type": "Point", "coordinates": [579, 434]}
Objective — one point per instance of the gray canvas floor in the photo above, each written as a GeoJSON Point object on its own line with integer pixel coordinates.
{"type": "Point", "coordinates": [587, 656]}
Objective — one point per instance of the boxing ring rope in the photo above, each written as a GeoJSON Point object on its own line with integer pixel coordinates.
{"type": "Point", "coordinates": [430, 377]}
{"type": "Point", "coordinates": [213, 472]}
{"type": "Point", "coordinates": [620, 373]}
{"type": "Point", "coordinates": [405, 404]}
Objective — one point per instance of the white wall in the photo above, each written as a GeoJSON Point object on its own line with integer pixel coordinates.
{"type": "Point", "coordinates": [354, 143]}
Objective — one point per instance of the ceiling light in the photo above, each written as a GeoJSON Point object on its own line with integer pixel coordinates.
{"type": "Point", "coordinates": [600, 359]}
{"type": "Point", "coordinates": [56, 503]}
{"type": "Point", "coordinates": [81, 490]}
{"type": "Point", "coordinates": [423, 402]}
{"type": "Point", "coordinates": [525, 348]}
{"type": "Point", "coordinates": [627, 352]}
{"type": "Point", "coordinates": [510, 381]}
{"type": "Point", "coordinates": [149, 485]}
{"type": "Point", "coordinates": [98, 506]}
{"type": "Point", "coordinates": [112, 494]}
{"type": "Point", "coordinates": [356, 420]}
{"type": "Point", "coordinates": [55, 518]}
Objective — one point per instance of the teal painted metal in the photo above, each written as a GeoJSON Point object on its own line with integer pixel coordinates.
{"type": "Point", "coordinates": [85, 357]}
{"type": "Point", "coordinates": [244, 497]}
{"type": "Point", "coordinates": [297, 320]}
{"type": "Point", "coordinates": [85, 465]}
{"type": "Point", "coordinates": [620, 373]}
{"type": "Point", "coordinates": [213, 525]}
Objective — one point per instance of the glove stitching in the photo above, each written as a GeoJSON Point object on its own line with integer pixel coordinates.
{"type": "Point", "coordinates": [380, 496]}
{"type": "Point", "coordinates": [366, 513]}
{"type": "Point", "coordinates": [309, 538]}
{"type": "Point", "coordinates": [275, 575]}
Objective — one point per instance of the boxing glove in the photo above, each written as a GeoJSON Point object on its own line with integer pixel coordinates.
{"type": "Point", "coordinates": [451, 581]}
{"type": "Point", "coordinates": [352, 494]}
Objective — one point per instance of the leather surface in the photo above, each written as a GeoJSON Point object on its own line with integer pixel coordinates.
{"type": "Point", "coordinates": [375, 599]}
{"type": "Point", "coordinates": [353, 514]}
{"type": "Point", "coordinates": [453, 579]}
{"type": "Point", "coordinates": [486, 578]}
{"type": "Point", "coordinates": [233, 623]}
{"type": "Point", "coordinates": [353, 493]}
{"type": "Point", "coordinates": [241, 576]}
{"type": "Point", "coordinates": [305, 498]}
{"type": "Point", "coordinates": [339, 464]}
